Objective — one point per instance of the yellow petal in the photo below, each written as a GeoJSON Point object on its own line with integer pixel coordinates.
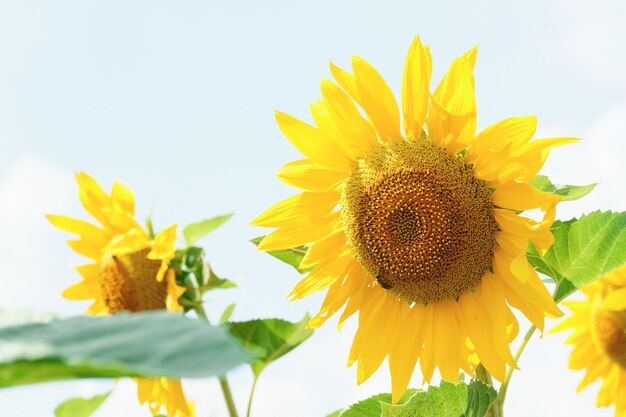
{"type": "Point", "coordinates": [314, 144]}
{"type": "Point", "coordinates": [321, 277]}
{"type": "Point", "coordinates": [526, 161]}
{"type": "Point", "coordinates": [452, 114]}
{"type": "Point", "coordinates": [416, 88]}
{"type": "Point", "coordinates": [309, 176]}
{"type": "Point", "coordinates": [615, 300]}
{"type": "Point", "coordinates": [83, 290]}
{"type": "Point", "coordinates": [357, 134]}
{"type": "Point", "coordinates": [84, 229]}
{"type": "Point", "coordinates": [326, 250]}
{"type": "Point", "coordinates": [346, 81]}
{"type": "Point", "coordinates": [299, 209]}
{"type": "Point", "coordinates": [516, 131]}
{"type": "Point", "coordinates": [163, 245]}
{"type": "Point", "coordinates": [376, 98]}
{"type": "Point", "coordinates": [122, 198]}
{"type": "Point", "coordinates": [522, 196]}
{"type": "Point", "coordinates": [291, 236]}
{"type": "Point", "coordinates": [405, 352]}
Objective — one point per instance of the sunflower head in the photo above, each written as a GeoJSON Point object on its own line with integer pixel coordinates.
{"type": "Point", "coordinates": [415, 220]}
{"type": "Point", "coordinates": [128, 268]}
{"type": "Point", "coordinates": [419, 221]}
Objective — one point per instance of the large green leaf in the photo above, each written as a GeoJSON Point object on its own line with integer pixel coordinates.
{"type": "Point", "coordinates": [566, 192]}
{"type": "Point", "coordinates": [269, 339]}
{"type": "Point", "coordinates": [292, 256]}
{"type": "Point", "coordinates": [80, 407]}
{"type": "Point", "coordinates": [138, 344]}
{"type": "Point", "coordinates": [195, 231]}
{"type": "Point", "coordinates": [446, 400]}
{"type": "Point", "coordinates": [583, 251]}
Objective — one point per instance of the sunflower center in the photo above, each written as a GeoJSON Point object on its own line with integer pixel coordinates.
{"type": "Point", "coordinates": [128, 283]}
{"type": "Point", "coordinates": [609, 332]}
{"type": "Point", "coordinates": [419, 221]}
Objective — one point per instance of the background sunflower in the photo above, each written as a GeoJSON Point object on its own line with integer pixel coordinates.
{"type": "Point", "coordinates": [130, 272]}
{"type": "Point", "coordinates": [598, 326]}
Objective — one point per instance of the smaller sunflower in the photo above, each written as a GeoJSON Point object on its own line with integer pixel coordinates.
{"type": "Point", "coordinates": [129, 272]}
{"type": "Point", "coordinates": [599, 338]}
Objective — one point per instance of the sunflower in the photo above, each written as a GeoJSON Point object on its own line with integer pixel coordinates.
{"type": "Point", "coordinates": [599, 338]}
{"type": "Point", "coordinates": [418, 229]}
{"type": "Point", "coordinates": [129, 272]}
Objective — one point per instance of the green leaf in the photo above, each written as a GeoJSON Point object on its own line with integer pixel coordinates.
{"type": "Point", "coordinates": [446, 400]}
{"type": "Point", "coordinates": [148, 344]}
{"type": "Point", "coordinates": [195, 231]}
{"type": "Point", "coordinates": [80, 407]}
{"type": "Point", "coordinates": [335, 414]}
{"type": "Point", "coordinates": [269, 339]}
{"type": "Point", "coordinates": [228, 311]}
{"type": "Point", "coordinates": [216, 282]}
{"type": "Point", "coordinates": [583, 251]}
{"type": "Point", "coordinates": [479, 398]}
{"type": "Point", "coordinates": [291, 256]}
{"type": "Point", "coordinates": [566, 192]}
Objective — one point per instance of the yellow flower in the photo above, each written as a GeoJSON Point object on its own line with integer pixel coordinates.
{"type": "Point", "coordinates": [419, 229]}
{"type": "Point", "coordinates": [599, 338]}
{"type": "Point", "coordinates": [129, 272]}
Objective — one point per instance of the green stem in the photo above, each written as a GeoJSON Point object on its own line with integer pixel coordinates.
{"type": "Point", "coordinates": [256, 378]}
{"type": "Point", "coordinates": [228, 396]}
{"type": "Point", "coordinates": [497, 407]}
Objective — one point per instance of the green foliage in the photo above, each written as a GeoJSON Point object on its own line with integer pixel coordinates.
{"type": "Point", "coordinates": [479, 398]}
{"type": "Point", "coordinates": [446, 400]}
{"type": "Point", "coordinates": [228, 311]}
{"type": "Point", "coordinates": [195, 274]}
{"type": "Point", "coordinates": [291, 256]}
{"type": "Point", "coordinates": [269, 339]}
{"type": "Point", "coordinates": [139, 344]}
{"type": "Point", "coordinates": [566, 192]}
{"type": "Point", "coordinates": [196, 231]}
{"type": "Point", "coordinates": [80, 407]}
{"type": "Point", "coordinates": [584, 250]}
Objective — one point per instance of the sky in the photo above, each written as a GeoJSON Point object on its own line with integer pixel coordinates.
{"type": "Point", "coordinates": [177, 100]}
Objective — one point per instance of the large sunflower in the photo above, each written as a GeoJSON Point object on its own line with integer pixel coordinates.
{"type": "Point", "coordinates": [419, 229]}
{"type": "Point", "coordinates": [599, 338]}
{"type": "Point", "coordinates": [129, 272]}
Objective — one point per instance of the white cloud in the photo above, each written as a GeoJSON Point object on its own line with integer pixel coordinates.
{"type": "Point", "coordinates": [32, 187]}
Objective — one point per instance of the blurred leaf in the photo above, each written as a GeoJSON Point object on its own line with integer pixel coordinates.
{"type": "Point", "coordinates": [335, 414]}
{"type": "Point", "coordinates": [195, 231]}
{"type": "Point", "coordinates": [566, 192]}
{"type": "Point", "coordinates": [479, 398]}
{"type": "Point", "coordinates": [228, 311]}
{"type": "Point", "coordinates": [148, 344]}
{"type": "Point", "coordinates": [80, 407]}
{"type": "Point", "coordinates": [216, 282]}
{"type": "Point", "coordinates": [269, 339]}
{"type": "Point", "coordinates": [291, 256]}
{"type": "Point", "coordinates": [446, 400]}
{"type": "Point", "coordinates": [584, 250]}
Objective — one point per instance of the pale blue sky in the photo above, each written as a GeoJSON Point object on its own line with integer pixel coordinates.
{"type": "Point", "coordinates": [176, 99]}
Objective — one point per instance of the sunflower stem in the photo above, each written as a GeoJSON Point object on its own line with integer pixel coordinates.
{"type": "Point", "coordinates": [256, 378]}
{"type": "Point", "coordinates": [228, 396]}
{"type": "Point", "coordinates": [497, 407]}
